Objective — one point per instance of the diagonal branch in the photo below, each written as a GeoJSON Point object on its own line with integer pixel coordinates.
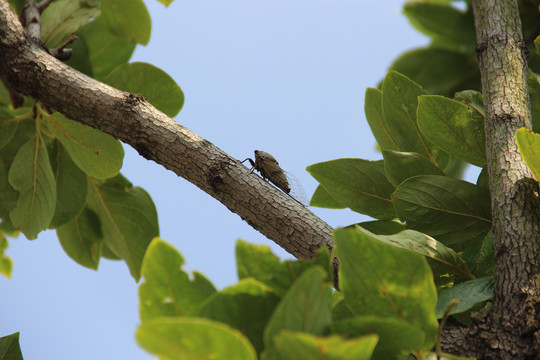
{"type": "Point", "coordinates": [31, 71]}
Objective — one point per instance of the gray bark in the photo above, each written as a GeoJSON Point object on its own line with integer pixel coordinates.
{"type": "Point", "coordinates": [31, 71]}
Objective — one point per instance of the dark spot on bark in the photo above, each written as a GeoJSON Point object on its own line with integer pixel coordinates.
{"type": "Point", "coordinates": [144, 151]}
{"type": "Point", "coordinates": [214, 176]}
{"type": "Point", "coordinates": [134, 99]}
{"type": "Point", "coordinates": [206, 144]}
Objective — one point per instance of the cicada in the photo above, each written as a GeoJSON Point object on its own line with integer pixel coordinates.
{"type": "Point", "coordinates": [270, 170]}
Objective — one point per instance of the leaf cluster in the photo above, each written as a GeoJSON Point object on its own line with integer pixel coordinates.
{"type": "Point", "coordinates": [415, 193]}
{"type": "Point", "coordinates": [449, 63]}
{"type": "Point", "coordinates": [56, 173]}
{"type": "Point", "coordinates": [288, 309]}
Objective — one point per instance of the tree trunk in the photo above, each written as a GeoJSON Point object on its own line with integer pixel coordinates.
{"type": "Point", "coordinates": [28, 69]}
{"type": "Point", "coordinates": [511, 328]}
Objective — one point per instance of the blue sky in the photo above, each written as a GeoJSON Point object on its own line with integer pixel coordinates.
{"type": "Point", "coordinates": [286, 77]}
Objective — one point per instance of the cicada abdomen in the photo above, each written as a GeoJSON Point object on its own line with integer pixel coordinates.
{"type": "Point", "coordinates": [270, 170]}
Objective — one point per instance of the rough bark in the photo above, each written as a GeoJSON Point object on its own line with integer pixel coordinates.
{"type": "Point", "coordinates": [511, 328]}
{"type": "Point", "coordinates": [30, 70]}
{"type": "Point", "coordinates": [453, 341]}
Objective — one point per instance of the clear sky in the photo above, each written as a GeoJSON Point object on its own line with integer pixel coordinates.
{"type": "Point", "coordinates": [284, 76]}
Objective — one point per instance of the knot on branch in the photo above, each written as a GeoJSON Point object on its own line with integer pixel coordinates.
{"type": "Point", "coordinates": [135, 99]}
{"type": "Point", "coordinates": [214, 176]}
{"type": "Point", "coordinates": [497, 40]}
{"type": "Point", "coordinates": [61, 53]}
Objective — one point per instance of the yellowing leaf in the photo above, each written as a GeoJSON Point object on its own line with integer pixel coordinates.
{"type": "Point", "coordinates": [529, 148]}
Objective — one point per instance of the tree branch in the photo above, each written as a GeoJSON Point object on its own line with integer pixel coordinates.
{"type": "Point", "coordinates": [511, 330]}
{"type": "Point", "coordinates": [30, 70]}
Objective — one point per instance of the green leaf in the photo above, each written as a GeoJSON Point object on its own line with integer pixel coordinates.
{"type": "Point", "coordinates": [321, 198]}
{"type": "Point", "coordinates": [152, 83]}
{"type": "Point", "coordinates": [293, 346]}
{"type": "Point", "coordinates": [395, 336]}
{"type": "Point", "coordinates": [8, 195]}
{"type": "Point", "coordinates": [483, 179]}
{"type": "Point", "coordinates": [192, 338]}
{"type": "Point", "coordinates": [469, 293]}
{"type": "Point", "coordinates": [479, 256]}
{"type": "Point", "coordinates": [440, 71]}
{"type": "Point", "coordinates": [447, 26]}
{"type": "Point", "coordinates": [128, 219]}
{"type": "Point", "coordinates": [17, 5]}
{"type": "Point", "coordinates": [456, 168]}
{"type": "Point", "coordinates": [529, 147]}
{"type": "Point", "coordinates": [167, 290]}
{"type": "Point", "coordinates": [534, 93]}
{"type": "Point", "coordinates": [166, 2]}
{"type": "Point", "coordinates": [383, 227]}
{"type": "Point", "coordinates": [96, 153]}
{"type": "Point", "coordinates": [79, 56]}
{"type": "Point", "coordinates": [258, 262]}
{"type": "Point", "coordinates": [305, 307]}
{"type": "Point", "coordinates": [375, 119]}
{"type": "Point", "coordinates": [452, 211]}
{"type": "Point", "coordinates": [63, 17]}
{"type": "Point", "coordinates": [358, 184]}
{"type": "Point", "coordinates": [31, 175]}
{"type": "Point", "coordinates": [108, 253]}
{"type": "Point", "coordinates": [382, 280]}
{"type": "Point", "coordinates": [105, 50]}
{"type": "Point", "coordinates": [71, 186]}
{"type": "Point", "coordinates": [127, 19]}
{"type": "Point", "coordinates": [474, 101]}
{"type": "Point", "coordinates": [399, 103]}
{"type": "Point", "coordinates": [8, 125]}
{"type": "Point", "coordinates": [450, 124]}
{"type": "Point", "coordinates": [5, 100]}
{"type": "Point", "coordinates": [6, 265]}
{"type": "Point", "coordinates": [26, 129]}
{"type": "Point", "coordinates": [7, 227]}
{"type": "Point", "coordinates": [82, 239]}
{"type": "Point", "coordinates": [340, 310]}
{"type": "Point", "coordinates": [246, 306]}
{"type": "Point", "coordinates": [10, 348]}
{"type": "Point", "coordinates": [9, 120]}
{"type": "Point", "coordinates": [442, 260]}
{"type": "Point", "coordinates": [399, 166]}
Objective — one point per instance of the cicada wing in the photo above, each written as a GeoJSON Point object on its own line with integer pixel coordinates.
{"type": "Point", "coordinates": [297, 191]}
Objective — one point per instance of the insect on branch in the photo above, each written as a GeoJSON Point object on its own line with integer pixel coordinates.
{"type": "Point", "coordinates": [270, 171]}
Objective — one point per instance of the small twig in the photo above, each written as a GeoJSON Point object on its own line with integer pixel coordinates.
{"type": "Point", "coordinates": [30, 17]}
{"type": "Point", "coordinates": [61, 53]}
{"type": "Point", "coordinates": [43, 5]}
{"type": "Point", "coordinates": [452, 304]}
